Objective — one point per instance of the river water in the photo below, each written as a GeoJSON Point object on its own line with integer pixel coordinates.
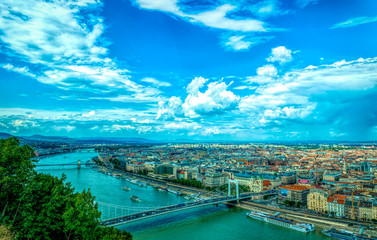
{"type": "Point", "coordinates": [202, 223]}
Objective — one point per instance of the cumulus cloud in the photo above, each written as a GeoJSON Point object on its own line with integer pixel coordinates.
{"type": "Point", "coordinates": [265, 74]}
{"type": "Point", "coordinates": [316, 96]}
{"type": "Point", "coordinates": [169, 109]}
{"type": "Point", "coordinates": [281, 55]}
{"type": "Point", "coordinates": [215, 100]}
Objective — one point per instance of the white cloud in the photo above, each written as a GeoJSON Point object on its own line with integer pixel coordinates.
{"type": "Point", "coordinates": [296, 94]}
{"type": "Point", "coordinates": [21, 70]}
{"type": "Point", "coordinates": [354, 22]}
{"type": "Point", "coordinates": [281, 55]}
{"type": "Point", "coordinates": [215, 100]}
{"type": "Point", "coordinates": [265, 74]}
{"type": "Point", "coordinates": [21, 124]}
{"type": "Point", "coordinates": [211, 131]}
{"type": "Point", "coordinates": [195, 85]}
{"type": "Point", "coordinates": [155, 82]}
{"type": "Point", "coordinates": [304, 3]}
{"type": "Point", "coordinates": [169, 109]}
{"type": "Point", "coordinates": [64, 39]}
{"type": "Point", "coordinates": [216, 18]}
{"type": "Point", "coordinates": [236, 43]}
{"type": "Point", "coordinates": [182, 125]}
{"type": "Point", "coordinates": [117, 127]}
{"type": "Point", "coordinates": [267, 8]}
{"type": "Point", "coordinates": [162, 5]}
{"type": "Point", "coordinates": [65, 128]}
{"type": "Point", "coordinates": [267, 71]}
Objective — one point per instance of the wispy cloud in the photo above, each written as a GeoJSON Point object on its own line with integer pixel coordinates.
{"type": "Point", "coordinates": [63, 41]}
{"type": "Point", "coordinates": [21, 70]}
{"type": "Point", "coordinates": [304, 3]}
{"type": "Point", "coordinates": [354, 22]}
{"type": "Point", "coordinates": [220, 16]}
{"type": "Point", "coordinates": [234, 42]}
{"type": "Point", "coordinates": [155, 82]}
{"type": "Point", "coordinates": [215, 18]}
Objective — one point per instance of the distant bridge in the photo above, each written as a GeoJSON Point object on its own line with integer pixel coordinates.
{"type": "Point", "coordinates": [77, 164]}
{"type": "Point", "coordinates": [154, 212]}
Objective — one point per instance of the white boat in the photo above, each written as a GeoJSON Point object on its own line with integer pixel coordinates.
{"type": "Point", "coordinates": [175, 192]}
{"type": "Point", "coordinates": [274, 219]}
{"type": "Point", "coordinates": [126, 188]}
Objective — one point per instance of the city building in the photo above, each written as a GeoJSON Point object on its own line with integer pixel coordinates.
{"type": "Point", "coordinates": [215, 179]}
{"type": "Point", "coordinates": [317, 200]}
{"type": "Point", "coordinates": [335, 205]}
{"type": "Point", "coordinates": [296, 193]}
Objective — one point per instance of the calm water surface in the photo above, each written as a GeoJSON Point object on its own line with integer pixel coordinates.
{"type": "Point", "coordinates": [203, 223]}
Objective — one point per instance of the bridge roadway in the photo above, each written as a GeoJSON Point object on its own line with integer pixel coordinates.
{"type": "Point", "coordinates": [64, 164]}
{"type": "Point", "coordinates": [174, 208]}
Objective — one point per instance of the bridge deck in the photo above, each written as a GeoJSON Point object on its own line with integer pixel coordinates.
{"type": "Point", "coordinates": [173, 208]}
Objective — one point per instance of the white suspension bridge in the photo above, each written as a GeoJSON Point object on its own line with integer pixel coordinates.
{"type": "Point", "coordinates": [113, 215]}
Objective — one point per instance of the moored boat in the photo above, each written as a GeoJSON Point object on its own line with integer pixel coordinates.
{"type": "Point", "coordinates": [126, 188]}
{"type": "Point", "coordinates": [345, 235]}
{"type": "Point", "coordinates": [274, 219]}
{"type": "Point", "coordinates": [135, 198]}
{"type": "Point", "coordinates": [174, 191]}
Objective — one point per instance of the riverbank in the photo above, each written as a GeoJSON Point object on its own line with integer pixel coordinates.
{"type": "Point", "coordinates": [317, 221]}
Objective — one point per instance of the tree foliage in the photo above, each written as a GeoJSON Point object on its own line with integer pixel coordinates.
{"type": "Point", "coordinates": [40, 206]}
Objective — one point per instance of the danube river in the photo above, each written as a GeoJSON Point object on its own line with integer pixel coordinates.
{"type": "Point", "coordinates": [202, 223]}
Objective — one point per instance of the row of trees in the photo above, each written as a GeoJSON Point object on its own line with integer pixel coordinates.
{"type": "Point", "coordinates": [40, 206]}
{"type": "Point", "coordinates": [187, 182]}
{"type": "Point", "coordinates": [291, 203]}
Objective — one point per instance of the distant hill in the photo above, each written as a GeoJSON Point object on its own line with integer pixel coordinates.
{"type": "Point", "coordinates": [49, 138]}
{"type": "Point", "coordinates": [5, 135]}
{"type": "Point", "coordinates": [112, 140]}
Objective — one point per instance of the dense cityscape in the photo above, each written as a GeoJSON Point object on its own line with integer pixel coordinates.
{"type": "Point", "coordinates": [323, 183]}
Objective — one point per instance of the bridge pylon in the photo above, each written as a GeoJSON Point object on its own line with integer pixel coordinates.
{"type": "Point", "coordinates": [230, 186]}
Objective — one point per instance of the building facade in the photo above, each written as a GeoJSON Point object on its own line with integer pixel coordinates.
{"type": "Point", "coordinates": [296, 193]}
{"type": "Point", "coordinates": [317, 200]}
{"type": "Point", "coordinates": [335, 205]}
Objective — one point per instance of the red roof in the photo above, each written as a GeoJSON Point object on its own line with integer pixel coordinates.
{"type": "Point", "coordinates": [295, 187]}
{"type": "Point", "coordinates": [266, 183]}
{"type": "Point", "coordinates": [337, 198]}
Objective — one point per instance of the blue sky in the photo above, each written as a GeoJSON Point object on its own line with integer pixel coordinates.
{"type": "Point", "coordinates": [173, 69]}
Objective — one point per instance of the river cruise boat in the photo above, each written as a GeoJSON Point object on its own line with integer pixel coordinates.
{"type": "Point", "coordinates": [134, 198]}
{"type": "Point", "coordinates": [345, 235]}
{"type": "Point", "coordinates": [274, 219]}
{"type": "Point", "coordinates": [175, 192]}
{"type": "Point", "coordinates": [126, 188]}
